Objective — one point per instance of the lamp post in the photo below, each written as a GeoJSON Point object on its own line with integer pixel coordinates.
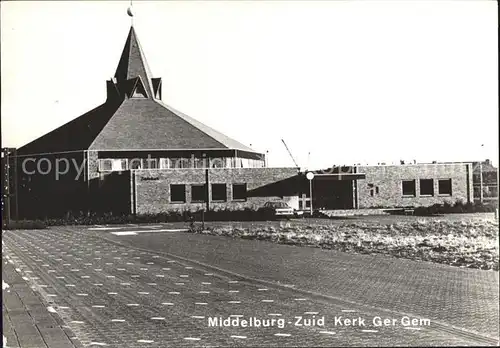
{"type": "Point", "coordinates": [481, 197]}
{"type": "Point", "coordinates": [310, 177]}
{"type": "Point", "coordinates": [481, 194]}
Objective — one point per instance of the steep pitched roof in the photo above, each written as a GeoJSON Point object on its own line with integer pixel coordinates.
{"type": "Point", "coordinates": [146, 124]}
{"type": "Point", "coordinates": [77, 134]}
{"type": "Point", "coordinates": [129, 121]}
{"type": "Point", "coordinates": [223, 139]}
{"type": "Point", "coordinates": [133, 63]}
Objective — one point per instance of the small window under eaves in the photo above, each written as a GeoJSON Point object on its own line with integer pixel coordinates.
{"type": "Point", "coordinates": [139, 90]}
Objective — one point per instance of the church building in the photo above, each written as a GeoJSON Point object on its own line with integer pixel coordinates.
{"type": "Point", "coordinates": [134, 154]}
{"type": "Point", "coordinates": [138, 155]}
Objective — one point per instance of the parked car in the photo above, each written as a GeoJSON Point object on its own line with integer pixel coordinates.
{"type": "Point", "coordinates": [282, 209]}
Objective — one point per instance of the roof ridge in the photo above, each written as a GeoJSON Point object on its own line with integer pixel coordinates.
{"type": "Point", "coordinates": [119, 105]}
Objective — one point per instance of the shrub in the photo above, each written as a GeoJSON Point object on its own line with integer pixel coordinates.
{"type": "Point", "coordinates": [226, 214]}
{"type": "Point", "coordinates": [458, 207]}
{"type": "Point", "coordinates": [485, 207]}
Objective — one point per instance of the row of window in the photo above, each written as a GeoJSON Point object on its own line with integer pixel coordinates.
{"type": "Point", "coordinates": [426, 187]}
{"type": "Point", "coordinates": [199, 193]}
{"type": "Point", "coordinates": [488, 191]}
{"type": "Point", "coordinates": [112, 164]}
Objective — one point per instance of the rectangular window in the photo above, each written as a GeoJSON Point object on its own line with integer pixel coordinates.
{"type": "Point", "coordinates": [178, 193]}
{"type": "Point", "coordinates": [112, 164]}
{"type": "Point", "coordinates": [186, 163]}
{"type": "Point", "coordinates": [105, 165]}
{"type": "Point", "coordinates": [492, 191]}
{"type": "Point", "coordinates": [444, 187]}
{"type": "Point", "coordinates": [409, 188]}
{"type": "Point", "coordinates": [200, 162]}
{"type": "Point", "coordinates": [217, 162]}
{"type": "Point", "coordinates": [119, 164]}
{"type": "Point", "coordinates": [245, 163]}
{"type": "Point", "coordinates": [164, 163]}
{"type": "Point", "coordinates": [426, 187]}
{"type": "Point", "coordinates": [175, 163]}
{"type": "Point", "coordinates": [235, 162]}
{"type": "Point", "coordinates": [219, 192]}
{"type": "Point", "coordinates": [181, 162]}
{"type": "Point", "coordinates": [477, 191]}
{"type": "Point", "coordinates": [149, 163]}
{"type": "Point", "coordinates": [135, 163]}
{"type": "Point", "coordinates": [198, 193]}
{"type": "Point", "coordinates": [239, 192]}
{"type": "Point", "coordinates": [476, 178]}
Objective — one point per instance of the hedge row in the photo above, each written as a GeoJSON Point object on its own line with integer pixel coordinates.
{"type": "Point", "coordinates": [261, 214]}
{"type": "Point", "coordinates": [457, 207]}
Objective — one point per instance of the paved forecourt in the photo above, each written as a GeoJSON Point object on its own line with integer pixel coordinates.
{"type": "Point", "coordinates": [461, 298]}
{"type": "Point", "coordinates": [132, 296]}
{"type": "Point", "coordinates": [27, 321]}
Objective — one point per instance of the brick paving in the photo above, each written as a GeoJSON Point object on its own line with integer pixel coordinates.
{"type": "Point", "coordinates": [121, 296]}
{"type": "Point", "coordinates": [27, 322]}
{"type": "Point", "coordinates": [460, 297]}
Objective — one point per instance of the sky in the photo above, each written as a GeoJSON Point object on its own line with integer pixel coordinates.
{"type": "Point", "coordinates": [342, 82]}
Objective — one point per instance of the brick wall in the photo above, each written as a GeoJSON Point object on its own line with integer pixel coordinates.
{"type": "Point", "coordinates": [152, 187]}
{"type": "Point", "coordinates": [92, 164]}
{"type": "Point", "coordinates": [388, 179]}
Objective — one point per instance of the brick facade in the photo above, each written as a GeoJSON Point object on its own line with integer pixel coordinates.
{"type": "Point", "coordinates": [92, 164]}
{"type": "Point", "coordinates": [149, 191]}
{"type": "Point", "coordinates": [385, 184]}
{"type": "Point", "coordinates": [152, 187]}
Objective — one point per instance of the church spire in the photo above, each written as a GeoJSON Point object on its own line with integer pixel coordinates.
{"type": "Point", "coordinates": [133, 66]}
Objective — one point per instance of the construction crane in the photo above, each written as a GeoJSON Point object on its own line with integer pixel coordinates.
{"type": "Point", "coordinates": [293, 159]}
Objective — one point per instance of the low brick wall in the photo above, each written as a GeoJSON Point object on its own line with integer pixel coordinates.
{"type": "Point", "coordinates": [152, 187]}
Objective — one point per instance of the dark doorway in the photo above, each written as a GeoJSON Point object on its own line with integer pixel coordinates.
{"type": "Point", "coordinates": [332, 194]}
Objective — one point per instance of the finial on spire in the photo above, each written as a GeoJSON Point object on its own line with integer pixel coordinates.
{"type": "Point", "coordinates": [129, 12]}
